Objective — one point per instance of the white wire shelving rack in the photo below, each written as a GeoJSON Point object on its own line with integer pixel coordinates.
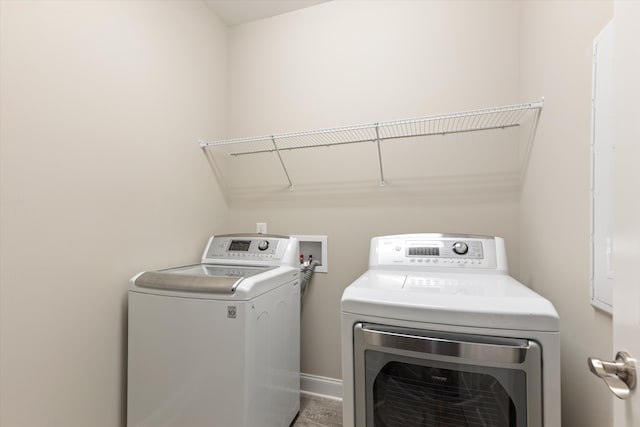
{"type": "Point", "coordinates": [466, 121]}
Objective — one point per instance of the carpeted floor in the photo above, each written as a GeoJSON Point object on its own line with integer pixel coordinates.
{"type": "Point", "coordinates": [318, 412]}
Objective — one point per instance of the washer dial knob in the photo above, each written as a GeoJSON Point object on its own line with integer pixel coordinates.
{"type": "Point", "coordinates": [460, 248]}
{"type": "Point", "coordinates": [263, 245]}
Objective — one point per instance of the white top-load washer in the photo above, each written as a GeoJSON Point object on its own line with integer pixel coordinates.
{"type": "Point", "coordinates": [437, 333]}
{"type": "Point", "coordinates": [217, 344]}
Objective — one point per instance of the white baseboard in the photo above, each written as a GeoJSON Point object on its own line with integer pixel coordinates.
{"type": "Point", "coordinates": [315, 385]}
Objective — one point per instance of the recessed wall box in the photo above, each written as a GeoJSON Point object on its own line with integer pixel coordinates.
{"type": "Point", "coordinates": [316, 247]}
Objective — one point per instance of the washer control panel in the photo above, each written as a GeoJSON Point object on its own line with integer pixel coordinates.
{"type": "Point", "coordinates": [251, 247]}
{"type": "Point", "coordinates": [430, 250]}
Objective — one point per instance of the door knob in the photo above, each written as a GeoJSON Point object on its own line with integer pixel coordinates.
{"type": "Point", "coordinates": [620, 375]}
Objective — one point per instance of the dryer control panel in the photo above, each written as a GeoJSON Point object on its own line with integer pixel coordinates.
{"type": "Point", "coordinates": [438, 251]}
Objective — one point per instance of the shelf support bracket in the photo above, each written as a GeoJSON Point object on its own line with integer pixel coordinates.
{"type": "Point", "coordinates": [284, 168]}
{"type": "Point", "coordinates": [379, 155]}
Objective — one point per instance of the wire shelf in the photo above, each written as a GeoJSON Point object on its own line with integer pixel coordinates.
{"type": "Point", "coordinates": [466, 121]}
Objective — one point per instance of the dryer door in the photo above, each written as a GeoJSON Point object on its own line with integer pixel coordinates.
{"type": "Point", "coordinates": [408, 377]}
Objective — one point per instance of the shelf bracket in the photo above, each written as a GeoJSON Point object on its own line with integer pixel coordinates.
{"type": "Point", "coordinates": [379, 155]}
{"type": "Point", "coordinates": [284, 168]}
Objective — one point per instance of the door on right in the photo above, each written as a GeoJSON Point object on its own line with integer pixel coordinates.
{"type": "Point", "coordinates": [626, 197]}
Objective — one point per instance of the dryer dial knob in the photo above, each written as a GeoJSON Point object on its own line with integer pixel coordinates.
{"type": "Point", "coordinates": [460, 248]}
{"type": "Point", "coordinates": [263, 245]}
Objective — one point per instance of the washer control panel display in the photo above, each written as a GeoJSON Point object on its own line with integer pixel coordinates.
{"type": "Point", "coordinates": [246, 248]}
{"type": "Point", "coordinates": [240, 246]}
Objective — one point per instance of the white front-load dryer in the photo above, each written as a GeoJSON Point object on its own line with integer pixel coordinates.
{"type": "Point", "coordinates": [217, 344]}
{"type": "Point", "coordinates": [436, 333]}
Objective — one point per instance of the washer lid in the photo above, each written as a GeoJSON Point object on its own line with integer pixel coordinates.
{"type": "Point", "coordinates": [198, 278]}
{"type": "Point", "coordinates": [476, 300]}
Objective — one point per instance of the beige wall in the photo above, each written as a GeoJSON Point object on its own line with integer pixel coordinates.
{"type": "Point", "coordinates": [555, 53]}
{"type": "Point", "coordinates": [351, 62]}
{"type": "Point", "coordinates": [101, 176]}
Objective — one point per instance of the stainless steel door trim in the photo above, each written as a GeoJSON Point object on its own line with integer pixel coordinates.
{"type": "Point", "coordinates": [532, 366]}
{"type": "Point", "coordinates": [188, 283]}
{"type": "Point", "coordinates": [445, 347]}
